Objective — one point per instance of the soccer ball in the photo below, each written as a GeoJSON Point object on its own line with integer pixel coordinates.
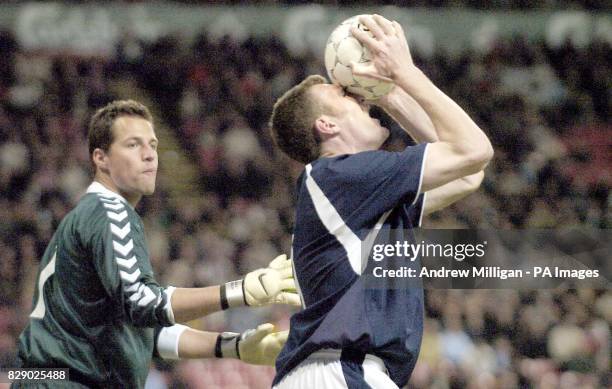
{"type": "Point", "coordinates": [342, 49]}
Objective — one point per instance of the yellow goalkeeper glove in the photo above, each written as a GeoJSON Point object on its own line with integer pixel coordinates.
{"type": "Point", "coordinates": [258, 346]}
{"type": "Point", "coordinates": [271, 285]}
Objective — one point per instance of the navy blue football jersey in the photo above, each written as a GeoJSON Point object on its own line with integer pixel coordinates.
{"type": "Point", "coordinates": [343, 203]}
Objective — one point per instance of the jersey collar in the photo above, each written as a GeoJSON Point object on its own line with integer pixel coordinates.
{"type": "Point", "coordinates": [96, 187]}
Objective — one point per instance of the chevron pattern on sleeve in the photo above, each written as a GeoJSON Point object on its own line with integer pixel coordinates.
{"type": "Point", "coordinates": [123, 247]}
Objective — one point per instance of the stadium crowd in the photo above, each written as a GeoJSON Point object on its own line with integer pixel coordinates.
{"type": "Point", "coordinates": [475, 4]}
{"type": "Point", "coordinates": [545, 108]}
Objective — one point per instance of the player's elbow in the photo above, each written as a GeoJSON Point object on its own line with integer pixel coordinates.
{"type": "Point", "coordinates": [473, 182]}
{"type": "Point", "coordinates": [479, 156]}
{"type": "Point", "coordinates": [488, 153]}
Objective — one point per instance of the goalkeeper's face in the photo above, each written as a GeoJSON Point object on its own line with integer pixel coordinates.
{"type": "Point", "coordinates": [132, 157]}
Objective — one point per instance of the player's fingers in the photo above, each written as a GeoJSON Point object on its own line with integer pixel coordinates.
{"type": "Point", "coordinates": [261, 331]}
{"type": "Point", "coordinates": [368, 71]}
{"type": "Point", "coordinates": [280, 337]}
{"type": "Point", "coordinates": [287, 284]}
{"type": "Point", "coordinates": [285, 272]}
{"type": "Point", "coordinates": [366, 39]}
{"type": "Point", "coordinates": [371, 24]}
{"type": "Point", "coordinates": [384, 24]}
{"type": "Point", "coordinates": [375, 77]}
{"type": "Point", "coordinates": [288, 299]}
{"type": "Point", "coordinates": [360, 69]}
{"type": "Point", "coordinates": [275, 343]}
{"type": "Point", "coordinates": [279, 262]}
{"type": "Point", "coordinates": [397, 28]}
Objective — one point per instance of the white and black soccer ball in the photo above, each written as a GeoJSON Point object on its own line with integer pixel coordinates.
{"type": "Point", "coordinates": [342, 49]}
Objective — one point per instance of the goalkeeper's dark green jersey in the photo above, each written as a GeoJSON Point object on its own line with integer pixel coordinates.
{"type": "Point", "coordinates": [96, 300]}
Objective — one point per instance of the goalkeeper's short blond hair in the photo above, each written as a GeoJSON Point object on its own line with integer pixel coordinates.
{"type": "Point", "coordinates": [292, 123]}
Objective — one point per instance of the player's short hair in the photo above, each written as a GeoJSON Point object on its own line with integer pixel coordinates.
{"type": "Point", "coordinates": [293, 119]}
{"type": "Point", "coordinates": [100, 133]}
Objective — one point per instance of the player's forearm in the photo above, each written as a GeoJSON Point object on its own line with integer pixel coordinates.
{"type": "Point", "coordinates": [410, 116]}
{"type": "Point", "coordinates": [271, 285]}
{"type": "Point", "coordinates": [258, 346]}
{"type": "Point", "coordinates": [452, 192]}
{"type": "Point", "coordinates": [192, 303]}
{"type": "Point", "coordinates": [452, 124]}
{"type": "Point", "coordinates": [197, 344]}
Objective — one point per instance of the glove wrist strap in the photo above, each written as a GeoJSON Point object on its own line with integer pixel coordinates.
{"type": "Point", "coordinates": [227, 345]}
{"type": "Point", "coordinates": [232, 294]}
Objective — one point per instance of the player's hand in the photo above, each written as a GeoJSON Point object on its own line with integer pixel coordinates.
{"type": "Point", "coordinates": [262, 345]}
{"type": "Point", "coordinates": [389, 100]}
{"type": "Point", "coordinates": [258, 346]}
{"type": "Point", "coordinates": [388, 46]}
{"type": "Point", "coordinates": [271, 285]}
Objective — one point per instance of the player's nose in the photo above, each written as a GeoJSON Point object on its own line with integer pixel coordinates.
{"type": "Point", "coordinates": [149, 153]}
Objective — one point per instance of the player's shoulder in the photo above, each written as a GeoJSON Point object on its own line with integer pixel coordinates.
{"type": "Point", "coordinates": [90, 203]}
{"type": "Point", "coordinates": [94, 207]}
{"type": "Point", "coordinates": [347, 166]}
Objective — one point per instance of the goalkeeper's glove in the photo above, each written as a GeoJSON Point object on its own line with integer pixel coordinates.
{"type": "Point", "coordinates": [271, 285]}
{"type": "Point", "coordinates": [258, 346]}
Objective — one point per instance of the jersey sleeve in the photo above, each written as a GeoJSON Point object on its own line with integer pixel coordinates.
{"type": "Point", "coordinates": [124, 270]}
{"type": "Point", "coordinates": [415, 211]}
{"type": "Point", "coordinates": [373, 181]}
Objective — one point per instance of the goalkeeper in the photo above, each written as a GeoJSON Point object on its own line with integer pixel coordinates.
{"type": "Point", "coordinates": [97, 308]}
